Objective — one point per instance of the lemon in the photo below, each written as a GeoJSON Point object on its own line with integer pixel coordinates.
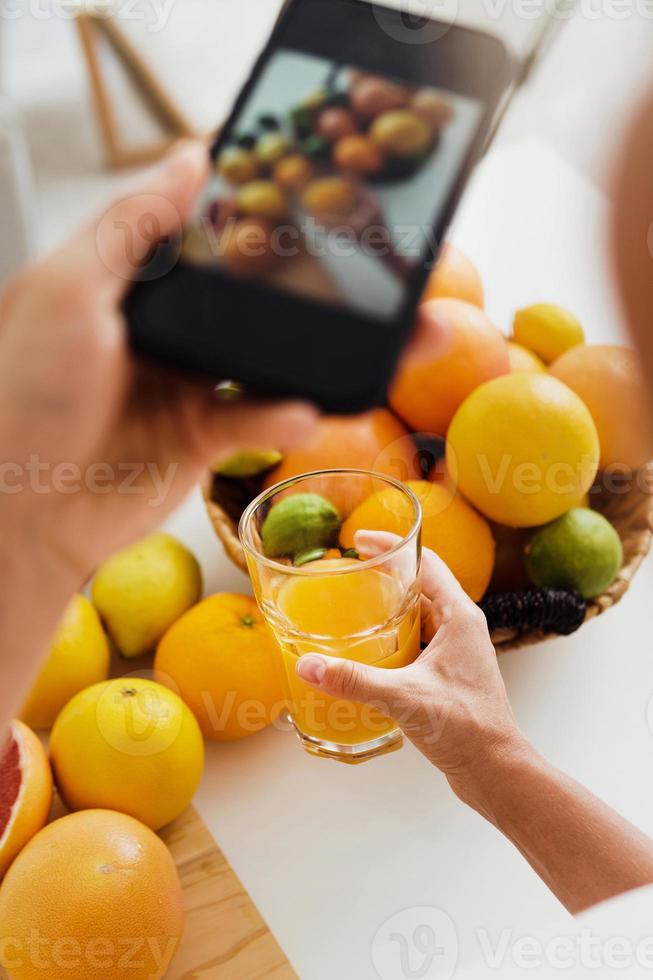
{"type": "Point", "coordinates": [131, 745]}
{"type": "Point", "coordinates": [547, 330]}
{"type": "Point", "coordinates": [248, 462]}
{"type": "Point", "coordinates": [580, 550]}
{"type": "Point", "coordinates": [401, 133]}
{"type": "Point", "coordinates": [262, 198]}
{"type": "Point", "coordinates": [141, 590]}
{"type": "Point", "coordinates": [78, 657]}
{"type": "Point", "coordinates": [237, 165]}
{"type": "Point", "coordinates": [522, 359]}
{"type": "Point", "coordinates": [523, 449]}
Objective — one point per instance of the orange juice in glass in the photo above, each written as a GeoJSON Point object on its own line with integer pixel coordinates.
{"type": "Point", "coordinates": [318, 598]}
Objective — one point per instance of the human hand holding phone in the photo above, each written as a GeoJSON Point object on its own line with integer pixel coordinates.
{"type": "Point", "coordinates": [332, 184]}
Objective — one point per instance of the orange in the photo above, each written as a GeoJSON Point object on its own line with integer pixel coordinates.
{"type": "Point", "coordinates": [246, 247]}
{"type": "Point", "coordinates": [220, 656]}
{"type": "Point", "coordinates": [293, 172]}
{"type": "Point", "coordinates": [79, 656]}
{"type": "Point", "coordinates": [455, 277]}
{"type": "Point", "coordinates": [456, 348]}
{"type": "Point", "coordinates": [358, 153]}
{"type": "Point", "coordinates": [450, 527]}
{"type": "Point", "coordinates": [609, 380]}
{"type": "Point", "coordinates": [94, 896]}
{"type": "Point", "coordinates": [131, 745]}
{"type": "Point", "coordinates": [523, 449]}
{"type": "Point", "coordinates": [330, 196]}
{"type": "Point", "coordinates": [25, 791]}
{"type": "Point", "coordinates": [374, 440]}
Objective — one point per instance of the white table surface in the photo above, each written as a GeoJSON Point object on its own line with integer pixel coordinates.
{"type": "Point", "coordinates": [330, 853]}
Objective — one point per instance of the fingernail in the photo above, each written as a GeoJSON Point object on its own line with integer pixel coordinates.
{"type": "Point", "coordinates": [311, 668]}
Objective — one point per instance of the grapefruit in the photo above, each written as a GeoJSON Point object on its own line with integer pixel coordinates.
{"type": "Point", "coordinates": [93, 895]}
{"type": "Point", "coordinates": [455, 277]}
{"type": "Point", "coordinates": [456, 348]}
{"type": "Point", "coordinates": [25, 791]}
{"type": "Point", "coordinates": [131, 745]}
{"type": "Point", "coordinates": [220, 656]}
{"type": "Point", "coordinates": [523, 449]}
{"type": "Point", "coordinates": [609, 380]}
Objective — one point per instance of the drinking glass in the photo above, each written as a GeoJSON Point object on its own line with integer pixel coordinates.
{"type": "Point", "coordinates": [329, 600]}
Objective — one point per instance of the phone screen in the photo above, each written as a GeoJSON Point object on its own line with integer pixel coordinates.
{"type": "Point", "coordinates": [330, 181]}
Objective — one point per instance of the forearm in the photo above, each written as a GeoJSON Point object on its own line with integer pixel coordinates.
{"type": "Point", "coordinates": [35, 585]}
{"type": "Point", "coordinates": [581, 848]}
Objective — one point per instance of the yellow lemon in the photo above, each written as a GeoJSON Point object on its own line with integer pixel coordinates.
{"type": "Point", "coordinates": [130, 745]}
{"type": "Point", "coordinates": [523, 449]}
{"type": "Point", "coordinates": [78, 657]}
{"type": "Point", "coordinates": [262, 199]}
{"type": "Point", "coordinates": [237, 165]}
{"type": "Point", "coordinates": [547, 330]}
{"type": "Point", "coordinates": [522, 359]}
{"type": "Point", "coordinates": [141, 590]}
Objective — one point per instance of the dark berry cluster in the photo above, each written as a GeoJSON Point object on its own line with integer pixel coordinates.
{"type": "Point", "coordinates": [551, 610]}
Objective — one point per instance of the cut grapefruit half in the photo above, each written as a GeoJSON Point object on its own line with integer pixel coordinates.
{"type": "Point", "coordinates": [25, 791]}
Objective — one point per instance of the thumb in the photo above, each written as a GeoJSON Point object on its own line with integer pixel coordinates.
{"type": "Point", "coordinates": [119, 247]}
{"type": "Point", "coordinates": [352, 681]}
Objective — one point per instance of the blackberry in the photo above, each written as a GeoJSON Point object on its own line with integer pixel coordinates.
{"type": "Point", "coordinates": [551, 610]}
{"type": "Point", "coordinates": [246, 141]}
{"type": "Point", "coordinates": [269, 123]}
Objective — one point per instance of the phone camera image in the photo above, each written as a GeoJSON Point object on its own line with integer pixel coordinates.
{"type": "Point", "coordinates": [328, 183]}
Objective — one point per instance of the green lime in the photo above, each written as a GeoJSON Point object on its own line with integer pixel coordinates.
{"type": "Point", "coordinates": [249, 462]}
{"type": "Point", "coordinates": [300, 523]}
{"type": "Point", "coordinates": [580, 550]}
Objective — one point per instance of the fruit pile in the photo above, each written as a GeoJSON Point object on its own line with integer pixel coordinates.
{"type": "Point", "coordinates": [507, 442]}
{"type": "Point", "coordinates": [316, 157]}
{"type": "Point", "coordinates": [126, 755]}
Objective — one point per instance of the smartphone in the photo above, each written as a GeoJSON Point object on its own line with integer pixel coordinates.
{"type": "Point", "coordinates": [333, 182]}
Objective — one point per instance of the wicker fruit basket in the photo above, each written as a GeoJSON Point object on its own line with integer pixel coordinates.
{"type": "Point", "coordinates": [630, 512]}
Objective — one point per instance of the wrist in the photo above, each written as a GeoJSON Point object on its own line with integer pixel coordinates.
{"type": "Point", "coordinates": [484, 784]}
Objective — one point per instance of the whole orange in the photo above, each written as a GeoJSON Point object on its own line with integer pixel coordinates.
{"type": "Point", "coordinates": [94, 895]}
{"type": "Point", "coordinates": [220, 657]}
{"type": "Point", "coordinates": [455, 277]}
{"type": "Point", "coordinates": [609, 380]}
{"type": "Point", "coordinates": [450, 527]}
{"type": "Point", "coordinates": [25, 791]}
{"type": "Point", "coordinates": [358, 153]}
{"type": "Point", "coordinates": [373, 440]}
{"type": "Point", "coordinates": [455, 349]}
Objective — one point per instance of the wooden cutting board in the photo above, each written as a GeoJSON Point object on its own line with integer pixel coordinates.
{"type": "Point", "coordinates": [225, 937]}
